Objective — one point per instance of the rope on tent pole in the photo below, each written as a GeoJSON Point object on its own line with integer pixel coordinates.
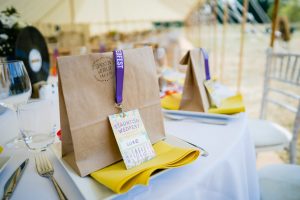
{"type": "Point", "coordinates": [215, 20]}
{"type": "Point", "coordinates": [230, 14]}
{"type": "Point", "coordinates": [259, 11]}
{"type": "Point", "coordinates": [225, 16]}
{"type": "Point", "coordinates": [244, 21]}
{"type": "Point", "coordinates": [274, 19]}
{"type": "Point", "coordinates": [235, 14]}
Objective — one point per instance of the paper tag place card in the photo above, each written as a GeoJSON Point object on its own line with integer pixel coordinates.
{"type": "Point", "coordinates": [132, 138]}
{"type": "Point", "coordinates": [217, 92]}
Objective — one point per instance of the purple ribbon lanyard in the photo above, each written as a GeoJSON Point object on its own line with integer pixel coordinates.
{"type": "Point", "coordinates": [205, 55]}
{"type": "Point", "coordinates": [119, 73]}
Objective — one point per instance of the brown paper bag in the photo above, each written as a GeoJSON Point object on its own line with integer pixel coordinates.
{"type": "Point", "coordinates": [87, 97]}
{"type": "Point", "coordinates": [194, 96]}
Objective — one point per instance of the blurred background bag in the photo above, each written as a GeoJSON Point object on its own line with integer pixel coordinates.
{"type": "Point", "coordinates": [194, 96]}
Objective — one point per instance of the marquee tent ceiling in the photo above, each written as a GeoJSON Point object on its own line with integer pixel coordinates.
{"type": "Point", "coordinates": [100, 11]}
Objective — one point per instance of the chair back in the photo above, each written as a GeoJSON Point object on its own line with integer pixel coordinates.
{"type": "Point", "coordinates": [282, 77]}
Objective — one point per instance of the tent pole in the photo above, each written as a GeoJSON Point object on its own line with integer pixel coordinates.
{"type": "Point", "coordinates": [72, 11]}
{"type": "Point", "coordinates": [242, 41]}
{"type": "Point", "coordinates": [274, 19]}
{"type": "Point", "coordinates": [225, 17]}
{"type": "Point", "coordinates": [215, 21]}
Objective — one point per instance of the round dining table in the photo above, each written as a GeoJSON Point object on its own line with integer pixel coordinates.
{"type": "Point", "coordinates": [227, 173]}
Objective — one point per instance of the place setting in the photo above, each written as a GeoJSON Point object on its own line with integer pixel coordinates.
{"type": "Point", "coordinates": [98, 102]}
{"type": "Point", "coordinates": [141, 159]}
{"type": "Point", "coordinates": [35, 120]}
{"type": "Point", "coordinates": [122, 127]}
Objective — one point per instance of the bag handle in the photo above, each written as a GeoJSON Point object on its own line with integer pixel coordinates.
{"type": "Point", "coordinates": [119, 73]}
{"type": "Point", "coordinates": [205, 55]}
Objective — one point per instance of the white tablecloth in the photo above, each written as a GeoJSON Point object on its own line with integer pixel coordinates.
{"type": "Point", "coordinates": [227, 173]}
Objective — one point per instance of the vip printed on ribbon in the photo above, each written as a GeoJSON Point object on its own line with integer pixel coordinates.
{"type": "Point", "coordinates": [132, 138]}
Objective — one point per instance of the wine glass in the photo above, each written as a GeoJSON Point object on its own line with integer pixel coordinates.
{"type": "Point", "coordinates": [15, 90]}
{"type": "Point", "coordinates": [37, 121]}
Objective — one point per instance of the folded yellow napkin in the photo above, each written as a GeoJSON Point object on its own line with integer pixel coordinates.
{"type": "Point", "coordinates": [230, 105]}
{"type": "Point", "coordinates": [1, 149]}
{"type": "Point", "coordinates": [171, 102]}
{"type": "Point", "coordinates": [120, 180]}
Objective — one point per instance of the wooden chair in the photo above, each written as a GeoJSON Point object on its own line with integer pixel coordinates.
{"type": "Point", "coordinates": [282, 78]}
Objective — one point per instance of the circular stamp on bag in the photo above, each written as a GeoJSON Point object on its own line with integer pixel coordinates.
{"type": "Point", "coordinates": [103, 69]}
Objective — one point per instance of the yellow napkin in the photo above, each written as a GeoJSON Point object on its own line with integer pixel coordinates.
{"type": "Point", "coordinates": [1, 149]}
{"type": "Point", "coordinates": [230, 105]}
{"type": "Point", "coordinates": [171, 102]}
{"type": "Point", "coordinates": [120, 180]}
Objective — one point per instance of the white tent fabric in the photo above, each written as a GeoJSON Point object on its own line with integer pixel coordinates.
{"type": "Point", "coordinates": [95, 29]}
{"type": "Point", "coordinates": [182, 6]}
{"type": "Point", "coordinates": [102, 15]}
{"type": "Point", "coordinates": [99, 11]}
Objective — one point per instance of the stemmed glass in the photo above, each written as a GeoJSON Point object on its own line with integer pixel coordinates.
{"type": "Point", "coordinates": [15, 90]}
{"type": "Point", "coordinates": [37, 123]}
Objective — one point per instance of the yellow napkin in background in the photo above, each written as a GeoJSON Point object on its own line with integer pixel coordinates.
{"type": "Point", "coordinates": [171, 102]}
{"type": "Point", "coordinates": [120, 180]}
{"type": "Point", "coordinates": [230, 105]}
{"type": "Point", "coordinates": [1, 149]}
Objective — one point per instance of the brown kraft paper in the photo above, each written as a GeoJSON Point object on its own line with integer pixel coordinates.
{"type": "Point", "coordinates": [194, 96]}
{"type": "Point", "coordinates": [87, 97]}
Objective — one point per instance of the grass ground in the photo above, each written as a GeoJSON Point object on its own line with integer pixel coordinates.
{"type": "Point", "coordinates": [255, 46]}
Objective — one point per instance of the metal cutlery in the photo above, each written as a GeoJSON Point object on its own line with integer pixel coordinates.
{"type": "Point", "coordinates": [45, 169]}
{"type": "Point", "coordinates": [12, 182]}
{"type": "Point", "coordinates": [201, 120]}
{"type": "Point", "coordinates": [204, 153]}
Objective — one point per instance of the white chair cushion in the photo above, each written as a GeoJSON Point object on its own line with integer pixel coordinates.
{"type": "Point", "coordinates": [267, 134]}
{"type": "Point", "coordinates": [280, 181]}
